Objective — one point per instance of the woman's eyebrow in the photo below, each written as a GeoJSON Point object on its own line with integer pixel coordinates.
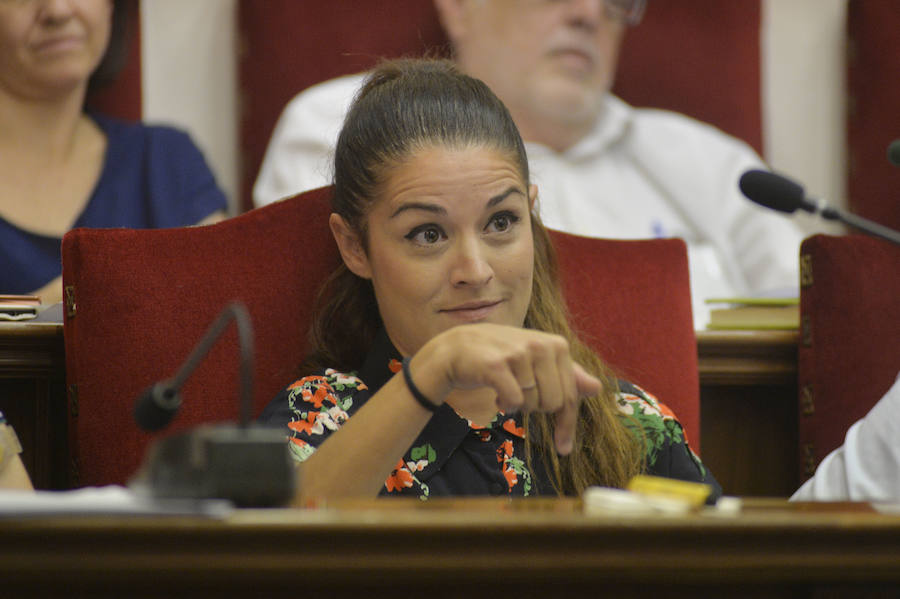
{"type": "Point", "coordinates": [433, 208]}
{"type": "Point", "coordinates": [438, 209]}
{"type": "Point", "coordinates": [499, 198]}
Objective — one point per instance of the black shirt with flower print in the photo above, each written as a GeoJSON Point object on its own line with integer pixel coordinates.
{"type": "Point", "coordinates": [452, 456]}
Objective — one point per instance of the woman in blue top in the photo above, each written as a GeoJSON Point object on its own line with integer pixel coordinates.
{"type": "Point", "coordinates": [62, 168]}
{"type": "Point", "coordinates": [442, 360]}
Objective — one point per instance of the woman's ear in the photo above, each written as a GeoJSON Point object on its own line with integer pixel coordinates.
{"type": "Point", "coordinates": [350, 246]}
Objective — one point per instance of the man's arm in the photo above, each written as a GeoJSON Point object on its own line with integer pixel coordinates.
{"type": "Point", "coordinates": [300, 152]}
{"type": "Point", "coordinates": [867, 466]}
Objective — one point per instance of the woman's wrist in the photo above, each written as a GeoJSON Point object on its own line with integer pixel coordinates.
{"type": "Point", "coordinates": [414, 390]}
{"type": "Point", "coordinates": [423, 370]}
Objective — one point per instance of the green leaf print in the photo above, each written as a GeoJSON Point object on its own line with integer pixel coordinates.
{"type": "Point", "coordinates": [522, 472]}
{"type": "Point", "coordinates": [425, 452]}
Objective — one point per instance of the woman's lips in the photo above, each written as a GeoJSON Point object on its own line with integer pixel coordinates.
{"type": "Point", "coordinates": [59, 44]}
{"type": "Point", "coordinates": [472, 311]}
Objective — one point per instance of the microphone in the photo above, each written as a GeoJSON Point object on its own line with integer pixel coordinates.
{"type": "Point", "coordinates": [246, 464]}
{"type": "Point", "coordinates": [780, 193]}
{"type": "Point", "coordinates": [156, 407]}
{"type": "Point", "coordinates": [893, 152]}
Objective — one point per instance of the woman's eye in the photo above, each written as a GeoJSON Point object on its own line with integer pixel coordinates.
{"type": "Point", "coordinates": [502, 221]}
{"type": "Point", "coordinates": [427, 235]}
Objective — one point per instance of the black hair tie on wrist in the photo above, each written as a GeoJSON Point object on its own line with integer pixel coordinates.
{"type": "Point", "coordinates": [418, 395]}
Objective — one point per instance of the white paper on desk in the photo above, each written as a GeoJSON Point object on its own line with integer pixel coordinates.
{"type": "Point", "coordinates": [109, 500]}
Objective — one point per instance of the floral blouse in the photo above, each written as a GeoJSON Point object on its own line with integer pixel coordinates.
{"type": "Point", "coordinates": [453, 456]}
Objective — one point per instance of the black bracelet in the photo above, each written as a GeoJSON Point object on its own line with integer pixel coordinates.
{"type": "Point", "coordinates": [418, 395]}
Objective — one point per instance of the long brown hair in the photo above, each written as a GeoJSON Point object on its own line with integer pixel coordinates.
{"type": "Point", "coordinates": [406, 105]}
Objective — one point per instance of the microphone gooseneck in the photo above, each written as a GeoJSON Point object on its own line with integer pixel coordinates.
{"type": "Point", "coordinates": [780, 193]}
{"type": "Point", "coordinates": [246, 464]}
{"type": "Point", "coordinates": [156, 406]}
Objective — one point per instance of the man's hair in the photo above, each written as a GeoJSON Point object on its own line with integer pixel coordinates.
{"type": "Point", "coordinates": [407, 105]}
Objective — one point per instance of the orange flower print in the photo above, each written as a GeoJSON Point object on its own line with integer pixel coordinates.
{"type": "Point", "coordinates": [509, 425]}
{"type": "Point", "coordinates": [321, 395]}
{"type": "Point", "coordinates": [400, 478]}
{"type": "Point", "coordinates": [505, 451]}
{"type": "Point", "coordinates": [395, 366]}
{"type": "Point", "coordinates": [306, 380]}
{"type": "Point", "coordinates": [298, 442]}
{"type": "Point", "coordinates": [304, 426]}
{"type": "Point", "coordinates": [665, 410]}
{"type": "Point", "coordinates": [511, 477]}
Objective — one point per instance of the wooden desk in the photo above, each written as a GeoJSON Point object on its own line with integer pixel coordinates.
{"type": "Point", "coordinates": [459, 548]}
{"type": "Point", "coordinates": [33, 397]}
{"type": "Point", "coordinates": [748, 396]}
{"type": "Point", "coordinates": [748, 410]}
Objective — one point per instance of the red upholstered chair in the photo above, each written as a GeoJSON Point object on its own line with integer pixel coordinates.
{"type": "Point", "coordinates": [874, 121]}
{"type": "Point", "coordinates": [630, 301]}
{"type": "Point", "coordinates": [140, 300]}
{"type": "Point", "coordinates": [850, 337]}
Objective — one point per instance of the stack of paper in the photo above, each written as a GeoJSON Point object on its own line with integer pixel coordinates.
{"type": "Point", "coordinates": [754, 313]}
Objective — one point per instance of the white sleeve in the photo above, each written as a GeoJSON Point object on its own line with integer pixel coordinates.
{"type": "Point", "coordinates": [300, 152]}
{"type": "Point", "coordinates": [867, 466]}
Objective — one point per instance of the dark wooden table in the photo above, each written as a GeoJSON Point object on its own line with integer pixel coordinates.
{"type": "Point", "coordinates": [748, 410]}
{"type": "Point", "coordinates": [33, 397]}
{"type": "Point", "coordinates": [459, 548]}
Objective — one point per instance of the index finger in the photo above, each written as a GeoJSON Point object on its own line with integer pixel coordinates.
{"type": "Point", "coordinates": [566, 420]}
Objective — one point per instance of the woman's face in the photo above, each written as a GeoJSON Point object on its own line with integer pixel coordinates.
{"type": "Point", "coordinates": [51, 46]}
{"type": "Point", "coordinates": [449, 242]}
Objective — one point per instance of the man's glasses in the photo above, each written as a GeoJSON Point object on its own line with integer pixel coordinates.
{"type": "Point", "coordinates": [628, 12]}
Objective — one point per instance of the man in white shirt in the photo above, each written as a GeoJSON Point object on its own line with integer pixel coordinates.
{"type": "Point", "coordinates": [603, 168]}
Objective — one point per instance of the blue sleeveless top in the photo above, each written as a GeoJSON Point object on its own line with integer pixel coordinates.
{"type": "Point", "coordinates": [152, 177]}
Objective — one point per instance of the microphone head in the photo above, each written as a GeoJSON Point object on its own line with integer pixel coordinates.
{"type": "Point", "coordinates": [772, 191]}
{"type": "Point", "coordinates": [156, 407]}
{"type": "Point", "coordinates": [893, 152]}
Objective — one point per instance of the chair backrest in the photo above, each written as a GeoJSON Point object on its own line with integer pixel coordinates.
{"type": "Point", "coordinates": [630, 301]}
{"type": "Point", "coordinates": [849, 351]}
{"type": "Point", "coordinates": [142, 298]}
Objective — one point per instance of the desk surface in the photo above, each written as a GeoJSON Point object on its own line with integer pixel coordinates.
{"type": "Point", "coordinates": [447, 547]}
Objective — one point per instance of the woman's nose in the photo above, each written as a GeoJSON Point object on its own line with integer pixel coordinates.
{"type": "Point", "coordinates": [470, 264]}
{"type": "Point", "coordinates": [56, 10]}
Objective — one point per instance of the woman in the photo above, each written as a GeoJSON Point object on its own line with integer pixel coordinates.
{"type": "Point", "coordinates": [61, 167]}
{"type": "Point", "coordinates": [444, 332]}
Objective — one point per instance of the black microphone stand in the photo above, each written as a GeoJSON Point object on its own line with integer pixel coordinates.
{"type": "Point", "coordinates": [246, 464]}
